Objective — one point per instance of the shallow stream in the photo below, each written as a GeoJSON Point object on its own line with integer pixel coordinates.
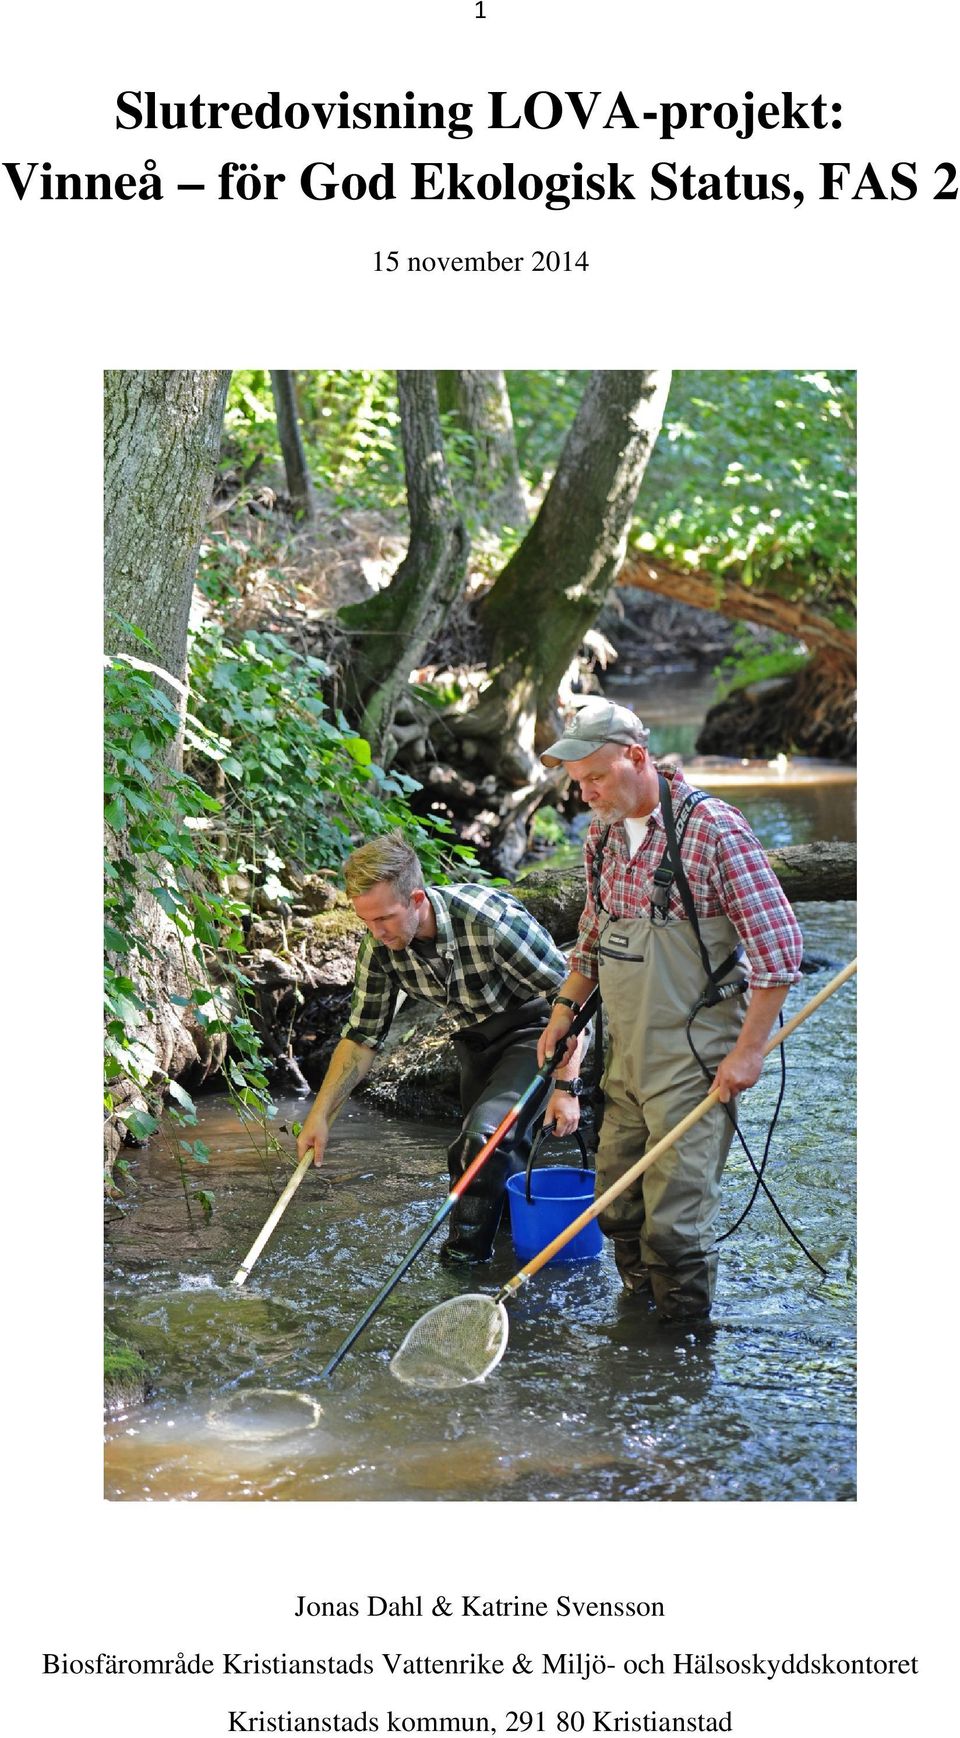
{"type": "Point", "coordinates": [593, 1400]}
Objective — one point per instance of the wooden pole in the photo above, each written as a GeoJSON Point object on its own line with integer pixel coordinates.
{"type": "Point", "coordinates": [243, 1270]}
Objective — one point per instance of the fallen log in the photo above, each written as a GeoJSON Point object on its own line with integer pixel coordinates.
{"type": "Point", "coordinates": [728, 596]}
{"type": "Point", "coordinates": [824, 870]}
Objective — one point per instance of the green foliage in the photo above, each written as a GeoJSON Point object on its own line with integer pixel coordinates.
{"type": "Point", "coordinates": [350, 427]}
{"type": "Point", "coordinates": [745, 665]}
{"type": "Point", "coordinates": [292, 785]}
{"type": "Point", "coordinates": [250, 422]}
{"type": "Point", "coordinates": [157, 854]}
{"type": "Point", "coordinates": [296, 785]}
{"type": "Point", "coordinates": [548, 829]}
{"type": "Point", "coordinates": [754, 474]}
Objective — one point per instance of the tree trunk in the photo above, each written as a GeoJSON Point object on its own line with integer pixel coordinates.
{"type": "Point", "coordinates": [552, 590]}
{"type": "Point", "coordinates": [299, 482]}
{"type": "Point", "coordinates": [728, 597]}
{"type": "Point", "coordinates": [162, 432]}
{"type": "Point", "coordinates": [394, 628]}
{"type": "Point", "coordinates": [480, 403]}
{"type": "Point", "coordinates": [161, 441]}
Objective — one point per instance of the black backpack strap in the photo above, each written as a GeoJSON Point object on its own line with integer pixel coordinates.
{"type": "Point", "coordinates": [597, 868]}
{"type": "Point", "coordinates": [671, 869]}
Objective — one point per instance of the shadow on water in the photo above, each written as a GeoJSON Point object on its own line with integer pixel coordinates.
{"type": "Point", "coordinates": [593, 1400]}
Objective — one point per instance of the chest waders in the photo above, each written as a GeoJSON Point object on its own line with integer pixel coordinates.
{"type": "Point", "coordinates": [654, 970]}
{"type": "Point", "coordinates": [498, 1060]}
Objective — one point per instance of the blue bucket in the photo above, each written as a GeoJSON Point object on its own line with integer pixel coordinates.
{"type": "Point", "coordinates": [560, 1194]}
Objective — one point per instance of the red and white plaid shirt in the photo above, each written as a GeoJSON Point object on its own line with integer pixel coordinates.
{"type": "Point", "coordinates": [729, 877]}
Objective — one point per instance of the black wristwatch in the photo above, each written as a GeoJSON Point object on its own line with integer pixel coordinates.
{"type": "Point", "coordinates": [574, 1086]}
{"type": "Point", "coordinates": [565, 1002]}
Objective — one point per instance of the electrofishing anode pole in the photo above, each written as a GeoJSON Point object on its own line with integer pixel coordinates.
{"type": "Point", "coordinates": [463, 1182]}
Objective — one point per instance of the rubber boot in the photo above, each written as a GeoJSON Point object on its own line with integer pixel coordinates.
{"type": "Point", "coordinates": [684, 1293]}
{"type": "Point", "coordinates": [476, 1217]}
{"type": "Point", "coordinates": [634, 1274]}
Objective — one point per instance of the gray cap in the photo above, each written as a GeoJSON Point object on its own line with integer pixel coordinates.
{"type": "Point", "coordinates": [597, 721]}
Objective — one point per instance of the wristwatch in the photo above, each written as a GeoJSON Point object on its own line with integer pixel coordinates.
{"type": "Point", "coordinates": [565, 1002]}
{"type": "Point", "coordinates": [574, 1086]}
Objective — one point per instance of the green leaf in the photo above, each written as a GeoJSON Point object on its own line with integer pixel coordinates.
{"type": "Point", "coordinates": [170, 901]}
{"type": "Point", "coordinates": [206, 1201]}
{"type": "Point", "coordinates": [177, 1092]}
{"type": "Point", "coordinates": [139, 1123]}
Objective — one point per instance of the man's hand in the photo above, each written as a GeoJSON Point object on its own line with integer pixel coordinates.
{"type": "Point", "coordinates": [553, 1035]}
{"type": "Point", "coordinates": [314, 1134]}
{"type": "Point", "coordinates": [742, 1068]}
{"type": "Point", "coordinates": [562, 1113]}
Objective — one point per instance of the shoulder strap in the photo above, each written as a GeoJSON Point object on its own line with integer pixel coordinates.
{"type": "Point", "coordinates": [597, 868]}
{"type": "Point", "coordinates": [671, 869]}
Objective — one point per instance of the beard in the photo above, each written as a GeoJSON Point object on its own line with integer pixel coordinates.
{"type": "Point", "coordinates": [607, 813]}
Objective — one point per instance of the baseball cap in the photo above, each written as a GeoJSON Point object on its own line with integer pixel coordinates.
{"type": "Point", "coordinates": [597, 721]}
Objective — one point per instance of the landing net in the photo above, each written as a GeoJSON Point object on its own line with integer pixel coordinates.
{"type": "Point", "coordinates": [457, 1342]}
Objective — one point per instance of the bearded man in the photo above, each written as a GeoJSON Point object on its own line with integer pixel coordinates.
{"type": "Point", "coordinates": [694, 945]}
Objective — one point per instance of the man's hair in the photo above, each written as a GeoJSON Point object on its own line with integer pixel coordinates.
{"type": "Point", "coordinates": [389, 858]}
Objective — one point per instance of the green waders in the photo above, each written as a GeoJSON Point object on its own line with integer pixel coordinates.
{"type": "Point", "coordinates": [662, 1227]}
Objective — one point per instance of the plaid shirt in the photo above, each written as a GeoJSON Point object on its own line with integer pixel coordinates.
{"type": "Point", "coordinates": [491, 956]}
{"type": "Point", "coordinates": [729, 876]}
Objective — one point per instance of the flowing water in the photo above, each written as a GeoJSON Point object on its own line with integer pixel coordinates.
{"type": "Point", "coordinates": [592, 1401]}
{"type": "Point", "coordinates": [786, 803]}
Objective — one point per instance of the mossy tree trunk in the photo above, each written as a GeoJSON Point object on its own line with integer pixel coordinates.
{"type": "Point", "coordinates": [552, 590]}
{"type": "Point", "coordinates": [299, 482]}
{"type": "Point", "coordinates": [392, 630]}
{"type": "Point", "coordinates": [479, 401]}
{"type": "Point", "coordinates": [162, 432]}
{"type": "Point", "coordinates": [161, 442]}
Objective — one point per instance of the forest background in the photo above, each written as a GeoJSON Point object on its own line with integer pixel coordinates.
{"type": "Point", "coordinates": [339, 602]}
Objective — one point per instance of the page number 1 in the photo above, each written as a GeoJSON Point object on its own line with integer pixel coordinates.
{"type": "Point", "coordinates": [479, 9]}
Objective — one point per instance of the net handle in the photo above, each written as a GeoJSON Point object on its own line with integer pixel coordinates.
{"type": "Point", "coordinates": [463, 1181]}
{"type": "Point", "coordinates": [534, 1265]}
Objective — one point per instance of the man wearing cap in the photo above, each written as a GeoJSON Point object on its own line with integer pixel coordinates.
{"type": "Point", "coordinates": [716, 940]}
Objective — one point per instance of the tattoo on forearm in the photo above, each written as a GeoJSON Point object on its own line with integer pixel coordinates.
{"type": "Point", "coordinates": [342, 1088]}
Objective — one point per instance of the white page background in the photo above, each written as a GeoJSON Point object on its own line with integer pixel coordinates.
{"type": "Point", "coordinates": [194, 283]}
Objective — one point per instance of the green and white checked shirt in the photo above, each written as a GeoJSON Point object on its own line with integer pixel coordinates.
{"type": "Point", "coordinates": [491, 955]}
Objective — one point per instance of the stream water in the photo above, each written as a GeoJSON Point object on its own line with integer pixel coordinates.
{"type": "Point", "coordinates": [593, 1399]}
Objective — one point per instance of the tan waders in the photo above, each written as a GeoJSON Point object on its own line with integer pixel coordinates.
{"type": "Point", "coordinates": [651, 974]}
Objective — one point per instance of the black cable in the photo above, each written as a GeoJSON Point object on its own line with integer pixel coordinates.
{"type": "Point", "coordinates": [760, 1181]}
